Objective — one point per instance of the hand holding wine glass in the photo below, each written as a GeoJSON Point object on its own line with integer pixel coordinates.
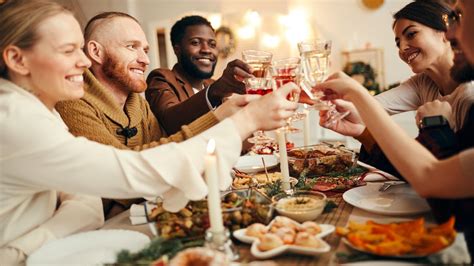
{"type": "Point", "coordinates": [284, 71]}
{"type": "Point", "coordinates": [273, 109]}
{"type": "Point", "coordinates": [315, 62]}
{"type": "Point", "coordinates": [339, 86]}
{"type": "Point", "coordinates": [351, 125]}
{"type": "Point", "coordinates": [259, 61]}
{"type": "Point", "coordinates": [259, 86]}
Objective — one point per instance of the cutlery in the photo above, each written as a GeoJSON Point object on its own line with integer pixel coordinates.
{"type": "Point", "coordinates": [266, 171]}
{"type": "Point", "coordinates": [389, 184]}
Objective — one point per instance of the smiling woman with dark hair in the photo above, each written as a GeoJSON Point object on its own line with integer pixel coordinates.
{"type": "Point", "coordinates": [420, 37]}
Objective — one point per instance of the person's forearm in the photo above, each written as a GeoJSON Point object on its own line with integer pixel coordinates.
{"type": "Point", "coordinates": [413, 161]}
{"type": "Point", "coordinates": [244, 124]}
{"type": "Point", "coordinates": [76, 213]}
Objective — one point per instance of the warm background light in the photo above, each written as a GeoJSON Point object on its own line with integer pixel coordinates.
{"type": "Point", "coordinates": [253, 18]}
{"type": "Point", "coordinates": [216, 20]}
{"type": "Point", "coordinates": [270, 41]}
{"type": "Point", "coordinates": [246, 32]}
{"type": "Point", "coordinates": [296, 26]}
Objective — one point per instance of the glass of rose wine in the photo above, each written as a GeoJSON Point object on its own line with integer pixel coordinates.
{"type": "Point", "coordinates": [315, 64]}
{"type": "Point", "coordinates": [259, 86]}
{"type": "Point", "coordinates": [284, 71]}
{"type": "Point", "coordinates": [258, 60]}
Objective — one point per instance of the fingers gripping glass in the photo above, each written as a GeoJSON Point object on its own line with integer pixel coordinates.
{"type": "Point", "coordinates": [284, 71]}
{"type": "Point", "coordinates": [258, 60]}
{"type": "Point", "coordinates": [259, 86]}
{"type": "Point", "coordinates": [315, 64]}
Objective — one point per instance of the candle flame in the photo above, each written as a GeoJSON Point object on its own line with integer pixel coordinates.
{"type": "Point", "coordinates": [211, 146]}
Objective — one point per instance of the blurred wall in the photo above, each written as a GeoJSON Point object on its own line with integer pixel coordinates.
{"type": "Point", "coordinates": [346, 22]}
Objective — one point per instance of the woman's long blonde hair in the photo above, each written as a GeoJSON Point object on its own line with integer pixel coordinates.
{"type": "Point", "coordinates": [19, 20]}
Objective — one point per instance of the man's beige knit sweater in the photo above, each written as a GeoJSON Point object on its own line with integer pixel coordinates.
{"type": "Point", "coordinates": [98, 117]}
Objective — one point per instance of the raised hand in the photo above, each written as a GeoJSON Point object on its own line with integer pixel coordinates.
{"type": "Point", "coordinates": [351, 125]}
{"type": "Point", "coordinates": [267, 112]}
{"type": "Point", "coordinates": [230, 81]}
{"type": "Point", "coordinates": [339, 86]}
{"type": "Point", "coordinates": [232, 104]}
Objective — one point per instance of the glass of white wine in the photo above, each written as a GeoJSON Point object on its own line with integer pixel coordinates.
{"type": "Point", "coordinates": [315, 63]}
{"type": "Point", "coordinates": [258, 60]}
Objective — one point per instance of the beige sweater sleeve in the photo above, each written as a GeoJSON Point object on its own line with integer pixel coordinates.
{"type": "Point", "coordinates": [84, 120]}
{"type": "Point", "coordinates": [187, 131]}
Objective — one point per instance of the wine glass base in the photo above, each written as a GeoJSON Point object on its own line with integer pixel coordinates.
{"type": "Point", "coordinates": [334, 117]}
{"type": "Point", "coordinates": [260, 140]}
{"type": "Point", "coordinates": [297, 116]}
{"type": "Point", "coordinates": [291, 130]}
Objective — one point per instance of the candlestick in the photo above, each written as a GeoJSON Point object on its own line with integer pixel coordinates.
{"type": "Point", "coordinates": [285, 181]}
{"type": "Point", "coordinates": [213, 197]}
{"type": "Point", "coordinates": [306, 130]}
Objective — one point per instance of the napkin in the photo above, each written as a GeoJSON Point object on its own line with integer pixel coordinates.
{"type": "Point", "coordinates": [374, 174]}
{"type": "Point", "coordinates": [377, 175]}
{"type": "Point", "coordinates": [138, 214]}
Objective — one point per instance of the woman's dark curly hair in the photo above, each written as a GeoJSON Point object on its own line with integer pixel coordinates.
{"type": "Point", "coordinates": [427, 12]}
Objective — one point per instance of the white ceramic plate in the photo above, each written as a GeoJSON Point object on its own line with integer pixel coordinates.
{"type": "Point", "coordinates": [89, 248]}
{"type": "Point", "coordinates": [326, 229]}
{"type": "Point", "coordinates": [397, 200]}
{"type": "Point", "coordinates": [288, 248]}
{"type": "Point", "coordinates": [253, 163]}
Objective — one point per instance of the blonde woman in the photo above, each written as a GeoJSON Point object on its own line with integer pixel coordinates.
{"type": "Point", "coordinates": [43, 166]}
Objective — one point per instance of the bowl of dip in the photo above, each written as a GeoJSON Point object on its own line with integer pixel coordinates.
{"type": "Point", "coordinates": [302, 206]}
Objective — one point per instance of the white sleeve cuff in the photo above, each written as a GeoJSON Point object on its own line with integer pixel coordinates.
{"type": "Point", "coordinates": [212, 108]}
{"type": "Point", "coordinates": [32, 240]}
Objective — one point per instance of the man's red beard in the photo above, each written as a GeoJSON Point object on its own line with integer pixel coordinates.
{"type": "Point", "coordinates": [119, 74]}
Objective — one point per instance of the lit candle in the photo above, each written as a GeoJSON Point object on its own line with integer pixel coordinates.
{"type": "Point", "coordinates": [285, 182]}
{"type": "Point", "coordinates": [306, 130]}
{"type": "Point", "coordinates": [213, 197]}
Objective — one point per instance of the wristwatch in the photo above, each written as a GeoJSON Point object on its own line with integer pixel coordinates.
{"type": "Point", "coordinates": [433, 121]}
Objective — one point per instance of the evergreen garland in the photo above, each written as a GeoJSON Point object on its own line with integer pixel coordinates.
{"type": "Point", "coordinates": [366, 70]}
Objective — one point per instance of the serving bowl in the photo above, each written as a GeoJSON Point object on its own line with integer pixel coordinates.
{"type": "Point", "coordinates": [301, 206]}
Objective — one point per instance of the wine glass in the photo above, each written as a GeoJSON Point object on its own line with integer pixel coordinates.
{"type": "Point", "coordinates": [284, 71]}
{"type": "Point", "coordinates": [258, 60]}
{"type": "Point", "coordinates": [260, 86]}
{"type": "Point", "coordinates": [288, 70]}
{"type": "Point", "coordinates": [315, 64]}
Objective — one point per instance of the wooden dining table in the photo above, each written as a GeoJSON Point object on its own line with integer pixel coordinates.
{"type": "Point", "coordinates": [339, 216]}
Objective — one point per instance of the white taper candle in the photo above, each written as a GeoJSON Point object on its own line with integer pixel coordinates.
{"type": "Point", "coordinates": [213, 197]}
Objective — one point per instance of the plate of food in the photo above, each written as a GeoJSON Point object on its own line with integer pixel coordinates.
{"type": "Point", "coordinates": [320, 159]}
{"type": "Point", "coordinates": [253, 232]}
{"type": "Point", "coordinates": [336, 183]}
{"type": "Point", "coordinates": [240, 208]}
{"type": "Point", "coordinates": [411, 239]}
{"type": "Point", "coordinates": [398, 200]}
{"type": "Point", "coordinates": [254, 163]}
{"type": "Point", "coordinates": [243, 180]}
{"type": "Point", "coordinates": [285, 235]}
